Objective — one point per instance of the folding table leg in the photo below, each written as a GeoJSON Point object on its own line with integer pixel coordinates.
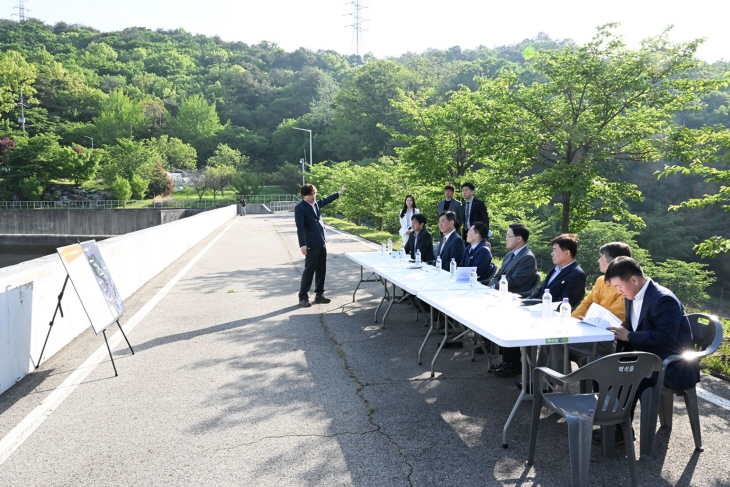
{"type": "Point", "coordinates": [390, 305]}
{"type": "Point", "coordinates": [523, 393]}
{"type": "Point", "coordinates": [443, 342]}
{"type": "Point", "coordinates": [425, 340]}
{"type": "Point", "coordinates": [385, 296]}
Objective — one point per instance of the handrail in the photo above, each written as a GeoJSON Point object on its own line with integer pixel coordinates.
{"type": "Point", "coordinates": [146, 204]}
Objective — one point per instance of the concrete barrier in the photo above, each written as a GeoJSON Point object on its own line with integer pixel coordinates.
{"type": "Point", "coordinates": [29, 291]}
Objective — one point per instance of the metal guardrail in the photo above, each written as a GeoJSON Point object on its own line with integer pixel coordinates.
{"type": "Point", "coordinates": [278, 199]}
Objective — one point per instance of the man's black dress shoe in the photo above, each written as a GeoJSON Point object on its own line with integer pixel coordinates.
{"type": "Point", "coordinates": [545, 389]}
{"type": "Point", "coordinates": [321, 300]}
{"type": "Point", "coordinates": [508, 370]}
{"type": "Point", "coordinates": [304, 303]}
{"type": "Point", "coordinates": [619, 438]}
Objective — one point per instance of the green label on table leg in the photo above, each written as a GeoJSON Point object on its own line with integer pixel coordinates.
{"type": "Point", "coordinates": [551, 341]}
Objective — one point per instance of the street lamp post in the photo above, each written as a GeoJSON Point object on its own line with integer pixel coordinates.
{"type": "Point", "coordinates": [92, 141]}
{"type": "Point", "coordinates": [311, 161]}
{"type": "Point", "coordinates": [301, 161]}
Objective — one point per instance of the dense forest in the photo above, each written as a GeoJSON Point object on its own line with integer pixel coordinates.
{"type": "Point", "coordinates": [153, 100]}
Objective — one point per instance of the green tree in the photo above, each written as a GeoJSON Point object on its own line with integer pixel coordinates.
{"type": "Point", "coordinates": [219, 178]}
{"type": "Point", "coordinates": [160, 183]}
{"type": "Point", "coordinates": [175, 153]}
{"type": "Point", "coordinates": [121, 188]}
{"type": "Point", "coordinates": [601, 106]}
{"type": "Point", "coordinates": [704, 152]}
{"type": "Point", "coordinates": [15, 73]}
{"type": "Point", "coordinates": [197, 122]}
{"type": "Point", "coordinates": [126, 159]}
{"type": "Point", "coordinates": [224, 156]}
{"type": "Point", "coordinates": [119, 116]}
{"type": "Point", "coordinates": [33, 163]}
{"type": "Point", "coordinates": [138, 186]}
{"type": "Point", "coordinates": [201, 184]}
{"type": "Point", "coordinates": [687, 280]}
{"type": "Point", "coordinates": [247, 183]}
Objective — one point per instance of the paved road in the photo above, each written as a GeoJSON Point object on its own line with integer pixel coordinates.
{"type": "Point", "coordinates": [234, 384]}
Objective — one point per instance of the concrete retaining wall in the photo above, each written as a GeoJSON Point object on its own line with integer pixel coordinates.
{"type": "Point", "coordinates": [28, 291]}
{"type": "Point", "coordinates": [84, 221]}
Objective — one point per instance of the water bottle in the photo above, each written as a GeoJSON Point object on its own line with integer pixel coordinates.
{"type": "Point", "coordinates": [390, 245]}
{"type": "Point", "coordinates": [547, 305]}
{"type": "Point", "coordinates": [402, 254]}
{"type": "Point", "coordinates": [565, 311]}
{"type": "Point", "coordinates": [438, 263]}
{"type": "Point", "coordinates": [418, 257]}
{"type": "Point", "coordinates": [452, 268]}
{"type": "Point", "coordinates": [473, 279]}
{"type": "Point", "coordinates": [382, 249]}
{"type": "Point", "coordinates": [503, 287]}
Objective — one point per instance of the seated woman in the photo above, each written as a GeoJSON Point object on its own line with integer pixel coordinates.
{"type": "Point", "coordinates": [409, 209]}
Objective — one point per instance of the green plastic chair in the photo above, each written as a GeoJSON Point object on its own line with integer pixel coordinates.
{"type": "Point", "coordinates": [618, 377]}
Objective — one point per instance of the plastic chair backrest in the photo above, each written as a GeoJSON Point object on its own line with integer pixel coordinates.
{"type": "Point", "coordinates": [705, 330]}
{"type": "Point", "coordinates": [490, 274]}
{"type": "Point", "coordinates": [538, 280]}
{"type": "Point", "coordinates": [618, 378]}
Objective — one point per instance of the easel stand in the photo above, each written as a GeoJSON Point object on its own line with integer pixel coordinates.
{"type": "Point", "coordinates": [110, 350]}
{"type": "Point", "coordinates": [50, 327]}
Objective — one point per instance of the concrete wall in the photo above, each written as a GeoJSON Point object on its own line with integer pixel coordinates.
{"type": "Point", "coordinates": [83, 221]}
{"type": "Point", "coordinates": [28, 291]}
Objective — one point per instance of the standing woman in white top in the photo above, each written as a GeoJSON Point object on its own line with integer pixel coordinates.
{"type": "Point", "coordinates": [409, 209]}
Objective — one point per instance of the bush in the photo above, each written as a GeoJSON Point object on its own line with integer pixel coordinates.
{"type": "Point", "coordinates": [32, 188]}
{"type": "Point", "coordinates": [122, 189]}
{"type": "Point", "coordinates": [138, 186]}
{"type": "Point", "coordinates": [247, 183]}
{"type": "Point", "coordinates": [160, 184]}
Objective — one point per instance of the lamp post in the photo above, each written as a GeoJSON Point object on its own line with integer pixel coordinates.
{"type": "Point", "coordinates": [311, 161]}
{"type": "Point", "coordinates": [92, 141]}
{"type": "Point", "coordinates": [301, 161]}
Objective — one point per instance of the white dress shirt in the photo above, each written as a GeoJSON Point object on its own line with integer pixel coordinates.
{"type": "Point", "coordinates": [636, 305]}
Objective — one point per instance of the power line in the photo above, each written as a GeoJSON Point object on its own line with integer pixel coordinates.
{"type": "Point", "coordinates": [357, 24]}
{"type": "Point", "coordinates": [21, 11]}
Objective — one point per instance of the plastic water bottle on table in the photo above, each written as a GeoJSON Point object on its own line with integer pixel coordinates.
{"type": "Point", "coordinates": [473, 280]}
{"type": "Point", "coordinates": [547, 305]}
{"type": "Point", "coordinates": [418, 257]}
{"type": "Point", "coordinates": [438, 263]}
{"type": "Point", "coordinates": [503, 288]}
{"type": "Point", "coordinates": [390, 245]}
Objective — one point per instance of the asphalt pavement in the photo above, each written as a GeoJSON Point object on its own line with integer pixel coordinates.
{"type": "Point", "coordinates": [234, 384]}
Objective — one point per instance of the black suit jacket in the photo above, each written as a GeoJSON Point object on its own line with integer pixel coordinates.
{"type": "Point", "coordinates": [478, 213]}
{"type": "Point", "coordinates": [663, 329]}
{"type": "Point", "coordinates": [453, 249]}
{"type": "Point", "coordinates": [521, 271]}
{"type": "Point", "coordinates": [424, 243]}
{"type": "Point", "coordinates": [309, 232]}
{"type": "Point", "coordinates": [569, 283]}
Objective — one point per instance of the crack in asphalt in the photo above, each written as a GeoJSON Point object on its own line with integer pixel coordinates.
{"type": "Point", "coordinates": [293, 435]}
{"type": "Point", "coordinates": [371, 409]}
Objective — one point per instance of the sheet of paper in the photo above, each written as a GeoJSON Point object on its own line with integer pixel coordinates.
{"type": "Point", "coordinates": [538, 307]}
{"type": "Point", "coordinates": [600, 317]}
{"type": "Point", "coordinates": [462, 273]}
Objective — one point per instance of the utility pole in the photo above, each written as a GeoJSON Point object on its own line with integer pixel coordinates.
{"type": "Point", "coordinates": [21, 120]}
{"type": "Point", "coordinates": [357, 24]}
{"type": "Point", "coordinates": [311, 161]}
{"type": "Point", "coordinates": [21, 11]}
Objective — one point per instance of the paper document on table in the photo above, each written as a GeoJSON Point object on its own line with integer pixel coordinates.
{"type": "Point", "coordinates": [538, 307]}
{"type": "Point", "coordinates": [600, 317]}
{"type": "Point", "coordinates": [462, 273]}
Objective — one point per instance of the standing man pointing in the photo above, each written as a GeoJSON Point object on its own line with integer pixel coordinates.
{"type": "Point", "coordinates": [312, 240]}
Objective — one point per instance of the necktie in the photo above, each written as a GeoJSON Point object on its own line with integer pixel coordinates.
{"type": "Point", "coordinates": [467, 218]}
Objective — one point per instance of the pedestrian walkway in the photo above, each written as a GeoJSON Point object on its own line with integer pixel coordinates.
{"type": "Point", "coordinates": [234, 384]}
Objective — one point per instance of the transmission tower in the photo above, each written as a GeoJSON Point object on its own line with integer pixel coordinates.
{"type": "Point", "coordinates": [21, 11]}
{"type": "Point", "coordinates": [357, 24]}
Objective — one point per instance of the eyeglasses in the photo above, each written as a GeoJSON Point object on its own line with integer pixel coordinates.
{"type": "Point", "coordinates": [510, 236]}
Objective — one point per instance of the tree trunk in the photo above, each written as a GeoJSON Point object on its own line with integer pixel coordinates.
{"type": "Point", "coordinates": [566, 212]}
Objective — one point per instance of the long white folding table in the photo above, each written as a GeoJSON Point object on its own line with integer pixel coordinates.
{"type": "Point", "coordinates": [509, 325]}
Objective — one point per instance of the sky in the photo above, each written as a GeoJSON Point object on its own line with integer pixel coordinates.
{"type": "Point", "coordinates": [395, 27]}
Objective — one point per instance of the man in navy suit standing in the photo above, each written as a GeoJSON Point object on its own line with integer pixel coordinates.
{"type": "Point", "coordinates": [451, 245]}
{"type": "Point", "coordinates": [472, 210]}
{"type": "Point", "coordinates": [312, 242]}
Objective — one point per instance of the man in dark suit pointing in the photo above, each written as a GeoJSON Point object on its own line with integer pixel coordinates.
{"type": "Point", "coordinates": [312, 240]}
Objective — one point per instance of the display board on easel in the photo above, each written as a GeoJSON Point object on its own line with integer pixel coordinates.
{"type": "Point", "coordinates": [93, 283]}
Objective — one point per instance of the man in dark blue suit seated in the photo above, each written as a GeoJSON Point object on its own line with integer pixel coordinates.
{"type": "Point", "coordinates": [451, 245]}
{"type": "Point", "coordinates": [420, 239]}
{"type": "Point", "coordinates": [479, 253]}
{"type": "Point", "coordinates": [655, 323]}
{"type": "Point", "coordinates": [567, 279]}
{"type": "Point", "coordinates": [312, 240]}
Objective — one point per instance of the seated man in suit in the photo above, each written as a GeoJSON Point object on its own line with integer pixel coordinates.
{"type": "Point", "coordinates": [473, 210]}
{"type": "Point", "coordinates": [520, 269]}
{"type": "Point", "coordinates": [519, 265]}
{"type": "Point", "coordinates": [420, 239]}
{"type": "Point", "coordinates": [478, 254]}
{"type": "Point", "coordinates": [655, 323]}
{"type": "Point", "coordinates": [566, 279]}
{"type": "Point", "coordinates": [451, 245]}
